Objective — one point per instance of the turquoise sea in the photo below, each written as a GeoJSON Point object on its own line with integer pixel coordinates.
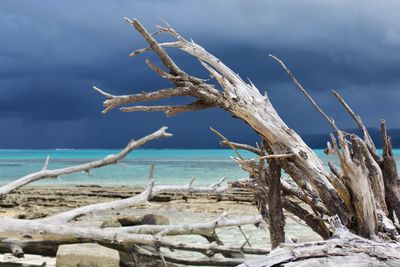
{"type": "Point", "coordinates": [173, 166]}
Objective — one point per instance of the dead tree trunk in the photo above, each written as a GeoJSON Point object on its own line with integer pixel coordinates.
{"type": "Point", "coordinates": [344, 249]}
{"type": "Point", "coordinates": [362, 194]}
{"type": "Point", "coordinates": [356, 194]}
{"type": "Point", "coordinates": [242, 100]}
{"type": "Point", "coordinates": [275, 209]}
{"type": "Point", "coordinates": [390, 175]}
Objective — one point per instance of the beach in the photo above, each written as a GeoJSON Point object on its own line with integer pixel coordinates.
{"type": "Point", "coordinates": [32, 202]}
{"type": "Point", "coordinates": [127, 178]}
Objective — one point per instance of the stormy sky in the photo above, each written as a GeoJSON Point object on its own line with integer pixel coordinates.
{"type": "Point", "coordinates": [53, 52]}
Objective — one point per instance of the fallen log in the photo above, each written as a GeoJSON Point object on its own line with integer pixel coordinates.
{"type": "Point", "coordinates": [344, 248]}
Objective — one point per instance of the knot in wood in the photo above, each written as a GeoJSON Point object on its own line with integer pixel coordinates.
{"type": "Point", "coordinates": [303, 154]}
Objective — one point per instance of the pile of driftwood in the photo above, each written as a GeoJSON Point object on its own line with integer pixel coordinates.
{"type": "Point", "coordinates": [43, 236]}
{"type": "Point", "coordinates": [354, 206]}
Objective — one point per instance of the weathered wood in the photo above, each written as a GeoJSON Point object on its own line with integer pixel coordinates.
{"type": "Point", "coordinates": [372, 159]}
{"type": "Point", "coordinates": [111, 237]}
{"type": "Point", "coordinates": [316, 223]}
{"type": "Point", "coordinates": [355, 173]}
{"type": "Point", "coordinates": [390, 174]}
{"type": "Point", "coordinates": [244, 101]}
{"type": "Point", "coordinates": [275, 210]}
{"type": "Point", "coordinates": [200, 228]}
{"type": "Point", "coordinates": [151, 191]}
{"type": "Point", "coordinates": [99, 207]}
{"type": "Point", "coordinates": [361, 193]}
{"type": "Point", "coordinates": [204, 261]}
{"type": "Point", "coordinates": [247, 147]}
{"type": "Point", "coordinates": [86, 167]}
{"type": "Point", "coordinates": [361, 173]}
{"type": "Point", "coordinates": [344, 247]}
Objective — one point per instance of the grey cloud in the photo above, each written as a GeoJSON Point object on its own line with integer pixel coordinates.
{"type": "Point", "coordinates": [52, 52]}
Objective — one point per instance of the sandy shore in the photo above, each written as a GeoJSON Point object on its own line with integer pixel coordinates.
{"type": "Point", "coordinates": [32, 202]}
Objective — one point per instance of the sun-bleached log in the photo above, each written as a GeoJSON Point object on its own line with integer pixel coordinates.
{"type": "Point", "coordinates": [111, 237]}
{"type": "Point", "coordinates": [86, 167]}
{"type": "Point", "coordinates": [99, 207]}
{"type": "Point", "coordinates": [150, 191]}
{"type": "Point", "coordinates": [204, 261]}
{"type": "Point", "coordinates": [210, 248]}
{"type": "Point", "coordinates": [344, 249]}
{"type": "Point", "coordinates": [200, 228]}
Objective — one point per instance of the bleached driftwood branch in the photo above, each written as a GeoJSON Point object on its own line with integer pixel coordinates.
{"type": "Point", "coordinates": [150, 191]}
{"type": "Point", "coordinates": [247, 147]}
{"type": "Point", "coordinates": [46, 234]}
{"type": "Point", "coordinates": [55, 234]}
{"type": "Point", "coordinates": [200, 228]}
{"type": "Point", "coordinates": [204, 261]}
{"type": "Point", "coordinates": [355, 193]}
{"type": "Point", "coordinates": [344, 249]}
{"type": "Point", "coordinates": [361, 177]}
{"type": "Point", "coordinates": [99, 207]}
{"type": "Point", "coordinates": [245, 102]}
{"type": "Point", "coordinates": [86, 167]}
{"type": "Point", "coordinates": [189, 188]}
{"type": "Point", "coordinates": [262, 184]}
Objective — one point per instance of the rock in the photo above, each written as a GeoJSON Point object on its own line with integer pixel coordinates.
{"type": "Point", "coordinates": [112, 222]}
{"type": "Point", "coordinates": [86, 255]}
{"type": "Point", "coordinates": [129, 220]}
{"type": "Point", "coordinates": [154, 219]}
{"type": "Point", "coordinates": [32, 214]}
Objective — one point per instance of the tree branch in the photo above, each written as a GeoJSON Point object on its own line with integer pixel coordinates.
{"type": "Point", "coordinates": [242, 146]}
{"type": "Point", "coordinates": [166, 60]}
{"type": "Point", "coordinates": [110, 159]}
{"type": "Point", "coordinates": [170, 110]}
{"type": "Point", "coordinates": [201, 228]}
{"type": "Point", "coordinates": [293, 78]}
{"type": "Point", "coordinates": [113, 101]}
{"type": "Point", "coordinates": [357, 119]}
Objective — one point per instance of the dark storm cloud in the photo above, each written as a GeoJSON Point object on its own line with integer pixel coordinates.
{"type": "Point", "coordinates": [52, 52]}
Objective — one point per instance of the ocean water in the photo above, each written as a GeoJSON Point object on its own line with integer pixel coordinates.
{"type": "Point", "coordinates": [172, 166]}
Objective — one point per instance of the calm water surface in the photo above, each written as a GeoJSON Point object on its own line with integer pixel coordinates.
{"type": "Point", "coordinates": [173, 166]}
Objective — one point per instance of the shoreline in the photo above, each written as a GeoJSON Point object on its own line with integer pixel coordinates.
{"type": "Point", "coordinates": [32, 202]}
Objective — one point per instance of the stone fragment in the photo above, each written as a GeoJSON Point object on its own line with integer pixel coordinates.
{"type": "Point", "coordinates": [86, 255]}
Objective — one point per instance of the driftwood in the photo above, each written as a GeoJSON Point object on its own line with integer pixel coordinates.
{"type": "Point", "coordinates": [110, 159]}
{"type": "Point", "coordinates": [241, 99]}
{"type": "Point", "coordinates": [361, 195]}
{"type": "Point", "coordinates": [43, 236]}
{"type": "Point", "coordinates": [204, 228]}
{"type": "Point", "coordinates": [363, 192]}
{"type": "Point", "coordinates": [343, 249]}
